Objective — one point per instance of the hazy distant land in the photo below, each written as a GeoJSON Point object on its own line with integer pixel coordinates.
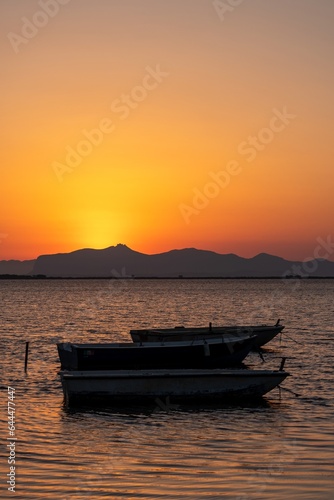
{"type": "Point", "coordinates": [122, 262]}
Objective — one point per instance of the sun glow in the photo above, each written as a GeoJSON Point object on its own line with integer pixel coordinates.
{"type": "Point", "coordinates": [97, 229]}
{"type": "Point", "coordinates": [176, 125]}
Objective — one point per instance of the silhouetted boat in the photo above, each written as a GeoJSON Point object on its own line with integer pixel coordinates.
{"type": "Point", "coordinates": [210, 353]}
{"type": "Point", "coordinates": [178, 385]}
{"type": "Point", "coordinates": [263, 333]}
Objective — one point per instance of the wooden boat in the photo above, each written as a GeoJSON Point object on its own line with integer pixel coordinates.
{"type": "Point", "coordinates": [263, 333]}
{"type": "Point", "coordinates": [128, 386]}
{"type": "Point", "coordinates": [210, 353]}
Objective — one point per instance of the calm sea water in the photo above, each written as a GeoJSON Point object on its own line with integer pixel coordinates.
{"type": "Point", "coordinates": [281, 448]}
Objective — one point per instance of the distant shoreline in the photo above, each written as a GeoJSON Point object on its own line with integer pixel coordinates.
{"type": "Point", "coordinates": [42, 277]}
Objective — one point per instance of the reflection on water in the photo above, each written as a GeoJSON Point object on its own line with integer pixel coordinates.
{"type": "Point", "coordinates": [281, 447]}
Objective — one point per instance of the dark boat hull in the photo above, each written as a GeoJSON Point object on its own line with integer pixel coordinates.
{"type": "Point", "coordinates": [214, 353]}
{"type": "Point", "coordinates": [263, 333]}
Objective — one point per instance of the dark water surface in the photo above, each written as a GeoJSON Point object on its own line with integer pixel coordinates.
{"type": "Point", "coordinates": [281, 448]}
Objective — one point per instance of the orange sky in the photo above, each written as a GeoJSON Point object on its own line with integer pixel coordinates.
{"type": "Point", "coordinates": [166, 124]}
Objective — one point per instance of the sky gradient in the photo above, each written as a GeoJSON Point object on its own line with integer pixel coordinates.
{"type": "Point", "coordinates": [166, 124]}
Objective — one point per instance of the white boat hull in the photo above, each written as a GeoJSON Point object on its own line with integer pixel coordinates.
{"type": "Point", "coordinates": [129, 385]}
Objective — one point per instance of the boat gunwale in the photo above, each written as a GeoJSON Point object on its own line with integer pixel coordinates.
{"type": "Point", "coordinates": [228, 330]}
{"type": "Point", "coordinates": [176, 373]}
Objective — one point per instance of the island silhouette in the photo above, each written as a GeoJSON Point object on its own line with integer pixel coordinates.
{"type": "Point", "coordinates": [121, 262]}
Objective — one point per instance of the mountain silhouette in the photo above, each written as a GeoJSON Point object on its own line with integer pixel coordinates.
{"type": "Point", "coordinates": [120, 262]}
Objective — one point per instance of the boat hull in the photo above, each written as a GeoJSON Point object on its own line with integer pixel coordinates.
{"type": "Point", "coordinates": [213, 353]}
{"type": "Point", "coordinates": [177, 385]}
{"type": "Point", "coordinates": [263, 333]}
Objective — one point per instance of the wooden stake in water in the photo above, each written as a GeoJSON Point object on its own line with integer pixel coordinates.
{"type": "Point", "coordinates": [26, 357]}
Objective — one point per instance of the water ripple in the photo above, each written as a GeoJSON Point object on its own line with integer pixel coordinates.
{"type": "Point", "coordinates": [280, 448]}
